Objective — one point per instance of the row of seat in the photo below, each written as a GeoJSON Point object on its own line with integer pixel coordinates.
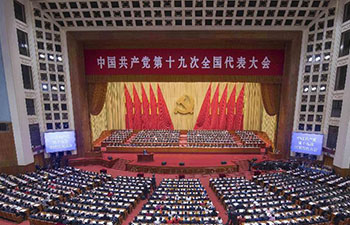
{"type": "Point", "coordinates": [179, 201]}
{"type": "Point", "coordinates": [256, 204]}
{"type": "Point", "coordinates": [312, 189]}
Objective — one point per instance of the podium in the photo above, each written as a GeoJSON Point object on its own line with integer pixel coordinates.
{"type": "Point", "coordinates": [145, 158]}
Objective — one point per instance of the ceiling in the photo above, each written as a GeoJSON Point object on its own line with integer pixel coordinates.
{"type": "Point", "coordinates": [183, 14]}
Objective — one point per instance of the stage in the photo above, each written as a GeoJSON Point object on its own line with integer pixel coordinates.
{"type": "Point", "coordinates": [193, 163]}
{"type": "Point", "coordinates": [237, 150]}
{"type": "Point", "coordinates": [182, 146]}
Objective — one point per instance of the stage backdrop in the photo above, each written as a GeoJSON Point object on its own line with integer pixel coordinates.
{"type": "Point", "coordinates": [112, 115]}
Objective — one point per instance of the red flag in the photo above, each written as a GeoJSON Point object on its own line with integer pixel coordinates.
{"type": "Point", "coordinates": [231, 110]}
{"type": "Point", "coordinates": [129, 116]}
{"type": "Point", "coordinates": [239, 110]}
{"type": "Point", "coordinates": [164, 120]}
{"type": "Point", "coordinates": [214, 124]}
{"type": "Point", "coordinates": [145, 110]}
{"type": "Point", "coordinates": [204, 113]}
{"type": "Point", "coordinates": [222, 110]}
{"type": "Point", "coordinates": [137, 115]}
{"type": "Point", "coordinates": [154, 115]}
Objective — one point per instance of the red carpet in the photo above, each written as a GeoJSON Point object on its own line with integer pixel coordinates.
{"type": "Point", "coordinates": [6, 222]}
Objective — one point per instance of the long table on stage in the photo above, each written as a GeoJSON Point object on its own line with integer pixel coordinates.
{"type": "Point", "coordinates": [236, 150]}
{"type": "Point", "coordinates": [145, 158]}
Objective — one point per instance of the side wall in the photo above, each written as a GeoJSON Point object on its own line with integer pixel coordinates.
{"type": "Point", "coordinates": [4, 101]}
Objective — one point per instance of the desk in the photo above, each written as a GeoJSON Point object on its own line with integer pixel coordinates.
{"type": "Point", "coordinates": [145, 158]}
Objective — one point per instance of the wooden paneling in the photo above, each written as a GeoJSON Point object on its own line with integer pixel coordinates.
{"type": "Point", "coordinates": [79, 96]}
{"type": "Point", "coordinates": [288, 40]}
{"type": "Point", "coordinates": [8, 156]}
{"type": "Point", "coordinates": [39, 159]}
{"type": "Point", "coordinates": [342, 172]}
{"type": "Point", "coordinates": [327, 160]}
{"type": "Point", "coordinates": [182, 169]}
{"type": "Point", "coordinates": [288, 95]}
{"type": "Point", "coordinates": [18, 169]}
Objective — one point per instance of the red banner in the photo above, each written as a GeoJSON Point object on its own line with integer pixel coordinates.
{"type": "Point", "coordinates": [248, 62]}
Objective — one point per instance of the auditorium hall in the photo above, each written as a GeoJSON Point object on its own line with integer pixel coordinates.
{"type": "Point", "coordinates": [142, 112]}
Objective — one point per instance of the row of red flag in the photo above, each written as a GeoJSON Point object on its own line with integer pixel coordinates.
{"type": "Point", "coordinates": [214, 115]}
{"type": "Point", "coordinates": [223, 115]}
{"type": "Point", "coordinates": [152, 115]}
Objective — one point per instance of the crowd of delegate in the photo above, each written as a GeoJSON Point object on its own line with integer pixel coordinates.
{"type": "Point", "coordinates": [250, 203]}
{"type": "Point", "coordinates": [191, 139]}
{"type": "Point", "coordinates": [302, 195]}
{"type": "Point", "coordinates": [179, 201]}
{"type": "Point", "coordinates": [249, 139]}
{"type": "Point", "coordinates": [320, 191]}
{"type": "Point", "coordinates": [117, 138]}
{"type": "Point", "coordinates": [69, 196]}
{"type": "Point", "coordinates": [156, 138]}
{"type": "Point", "coordinates": [210, 138]}
{"type": "Point", "coordinates": [107, 204]}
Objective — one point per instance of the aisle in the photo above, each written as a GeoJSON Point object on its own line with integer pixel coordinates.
{"type": "Point", "coordinates": [219, 207]}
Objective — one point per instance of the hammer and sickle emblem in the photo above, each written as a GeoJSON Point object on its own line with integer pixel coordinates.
{"type": "Point", "coordinates": [184, 105]}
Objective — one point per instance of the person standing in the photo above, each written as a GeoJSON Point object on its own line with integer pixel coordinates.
{"type": "Point", "coordinates": [153, 182]}
{"type": "Point", "coordinates": [145, 191]}
{"type": "Point", "coordinates": [230, 215]}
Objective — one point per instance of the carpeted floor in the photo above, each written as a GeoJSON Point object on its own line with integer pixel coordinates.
{"type": "Point", "coordinates": [6, 222]}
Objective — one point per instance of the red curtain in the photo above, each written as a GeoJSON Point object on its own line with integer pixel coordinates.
{"type": "Point", "coordinates": [231, 110]}
{"type": "Point", "coordinates": [214, 110]}
{"type": "Point", "coordinates": [164, 121]}
{"type": "Point", "coordinates": [145, 110]}
{"type": "Point", "coordinates": [222, 110]}
{"type": "Point", "coordinates": [96, 97]}
{"type": "Point", "coordinates": [137, 115]}
{"type": "Point", "coordinates": [271, 98]}
{"type": "Point", "coordinates": [154, 114]}
{"type": "Point", "coordinates": [203, 118]}
{"type": "Point", "coordinates": [129, 116]}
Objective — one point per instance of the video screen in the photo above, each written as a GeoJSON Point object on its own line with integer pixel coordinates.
{"type": "Point", "coordinates": [59, 141]}
{"type": "Point", "coordinates": [307, 143]}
